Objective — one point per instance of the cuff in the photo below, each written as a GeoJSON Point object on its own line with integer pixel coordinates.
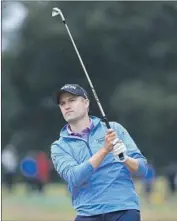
{"type": "Point", "coordinates": [142, 168]}
{"type": "Point", "coordinates": [82, 173]}
{"type": "Point", "coordinates": [89, 167]}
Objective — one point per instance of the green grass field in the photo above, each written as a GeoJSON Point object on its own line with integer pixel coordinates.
{"type": "Point", "coordinates": [55, 204]}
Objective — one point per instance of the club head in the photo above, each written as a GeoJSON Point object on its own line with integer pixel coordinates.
{"type": "Point", "coordinates": [56, 11]}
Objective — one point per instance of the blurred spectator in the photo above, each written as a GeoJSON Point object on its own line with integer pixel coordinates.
{"type": "Point", "coordinates": [28, 167]}
{"type": "Point", "coordinates": [9, 164]}
{"type": "Point", "coordinates": [43, 168]}
{"type": "Point", "coordinates": [35, 168]}
{"type": "Point", "coordinates": [171, 174]}
{"type": "Point", "coordinates": [149, 181]}
{"type": "Point", "coordinates": [176, 181]}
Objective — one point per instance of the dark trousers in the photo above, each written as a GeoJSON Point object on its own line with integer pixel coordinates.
{"type": "Point", "coordinates": [125, 215]}
{"type": "Point", "coordinates": [9, 180]}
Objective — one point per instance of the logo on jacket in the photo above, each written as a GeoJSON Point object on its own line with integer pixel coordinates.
{"type": "Point", "coordinates": [100, 140]}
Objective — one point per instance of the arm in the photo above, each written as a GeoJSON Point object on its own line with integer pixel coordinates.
{"type": "Point", "coordinates": [68, 168]}
{"type": "Point", "coordinates": [98, 157]}
{"type": "Point", "coordinates": [135, 161]}
{"type": "Point", "coordinates": [75, 173]}
{"type": "Point", "coordinates": [132, 164]}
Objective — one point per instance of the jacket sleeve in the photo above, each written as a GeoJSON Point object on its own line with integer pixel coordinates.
{"type": "Point", "coordinates": [74, 173]}
{"type": "Point", "coordinates": [132, 150]}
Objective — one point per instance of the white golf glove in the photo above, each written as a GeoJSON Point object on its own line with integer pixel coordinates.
{"type": "Point", "coordinates": [119, 148]}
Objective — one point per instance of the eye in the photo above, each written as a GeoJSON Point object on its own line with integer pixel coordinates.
{"type": "Point", "coordinates": [61, 104]}
{"type": "Point", "coordinates": [72, 99]}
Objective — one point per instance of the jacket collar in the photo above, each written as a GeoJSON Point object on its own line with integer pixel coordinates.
{"type": "Point", "coordinates": [95, 121]}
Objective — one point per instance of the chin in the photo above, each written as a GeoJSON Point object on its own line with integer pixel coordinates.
{"type": "Point", "coordinates": [70, 119]}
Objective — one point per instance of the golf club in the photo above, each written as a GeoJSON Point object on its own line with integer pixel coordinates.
{"type": "Point", "coordinates": [55, 12]}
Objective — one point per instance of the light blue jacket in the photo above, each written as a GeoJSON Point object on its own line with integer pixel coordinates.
{"type": "Point", "coordinates": [105, 189]}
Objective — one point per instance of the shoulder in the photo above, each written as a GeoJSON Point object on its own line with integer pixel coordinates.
{"type": "Point", "coordinates": [57, 144]}
{"type": "Point", "coordinates": [121, 130]}
{"type": "Point", "coordinates": [116, 126]}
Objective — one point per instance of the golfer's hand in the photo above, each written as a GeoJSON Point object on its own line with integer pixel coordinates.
{"type": "Point", "coordinates": [119, 148]}
{"type": "Point", "coordinates": [109, 138]}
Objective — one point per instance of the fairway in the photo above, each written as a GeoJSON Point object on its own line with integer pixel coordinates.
{"type": "Point", "coordinates": [55, 205]}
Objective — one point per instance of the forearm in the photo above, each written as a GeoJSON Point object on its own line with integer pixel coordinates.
{"type": "Point", "coordinates": [78, 175]}
{"type": "Point", "coordinates": [136, 165]}
{"type": "Point", "coordinates": [132, 164]}
{"type": "Point", "coordinates": [98, 157]}
{"type": "Point", "coordinates": [81, 173]}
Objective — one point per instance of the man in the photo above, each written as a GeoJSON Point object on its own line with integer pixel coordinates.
{"type": "Point", "coordinates": [100, 183]}
{"type": "Point", "coordinates": [171, 174]}
{"type": "Point", "coordinates": [9, 164]}
{"type": "Point", "coordinates": [148, 182]}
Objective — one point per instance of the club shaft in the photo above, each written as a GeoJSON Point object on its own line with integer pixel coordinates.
{"type": "Point", "coordinates": [88, 78]}
{"type": "Point", "coordinates": [121, 156]}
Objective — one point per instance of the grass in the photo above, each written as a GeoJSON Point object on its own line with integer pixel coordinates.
{"type": "Point", "coordinates": [55, 204]}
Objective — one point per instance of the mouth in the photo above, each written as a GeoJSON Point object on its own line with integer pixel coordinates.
{"type": "Point", "coordinates": [68, 112]}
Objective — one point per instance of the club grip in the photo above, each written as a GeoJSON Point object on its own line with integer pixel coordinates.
{"type": "Point", "coordinates": [121, 156]}
{"type": "Point", "coordinates": [104, 118]}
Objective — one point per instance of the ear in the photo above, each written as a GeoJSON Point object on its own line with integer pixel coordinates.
{"type": "Point", "coordinates": [87, 102]}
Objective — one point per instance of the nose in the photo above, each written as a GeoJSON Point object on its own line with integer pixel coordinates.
{"type": "Point", "coordinates": [67, 106]}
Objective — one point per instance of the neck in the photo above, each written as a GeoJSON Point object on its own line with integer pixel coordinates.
{"type": "Point", "coordinates": [80, 125]}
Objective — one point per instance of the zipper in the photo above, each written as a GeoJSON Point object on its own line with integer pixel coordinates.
{"type": "Point", "coordinates": [86, 142]}
{"type": "Point", "coordinates": [90, 151]}
{"type": "Point", "coordinates": [88, 138]}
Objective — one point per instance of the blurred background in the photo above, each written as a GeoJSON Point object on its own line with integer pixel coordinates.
{"type": "Point", "coordinates": [130, 52]}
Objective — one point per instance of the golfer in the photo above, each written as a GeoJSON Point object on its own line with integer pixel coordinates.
{"type": "Point", "coordinates": [84, 155]}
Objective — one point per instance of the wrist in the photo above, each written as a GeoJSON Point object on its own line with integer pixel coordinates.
{"type": "Point", "coordinates": [127, 159]}
{"type": "Point", "coordinates": [132, 164]}
{"type": "Point", "coordinates": [105, 151]}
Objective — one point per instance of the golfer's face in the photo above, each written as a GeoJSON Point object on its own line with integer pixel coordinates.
{"type": "Point", "coordinates": [73, 107]}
